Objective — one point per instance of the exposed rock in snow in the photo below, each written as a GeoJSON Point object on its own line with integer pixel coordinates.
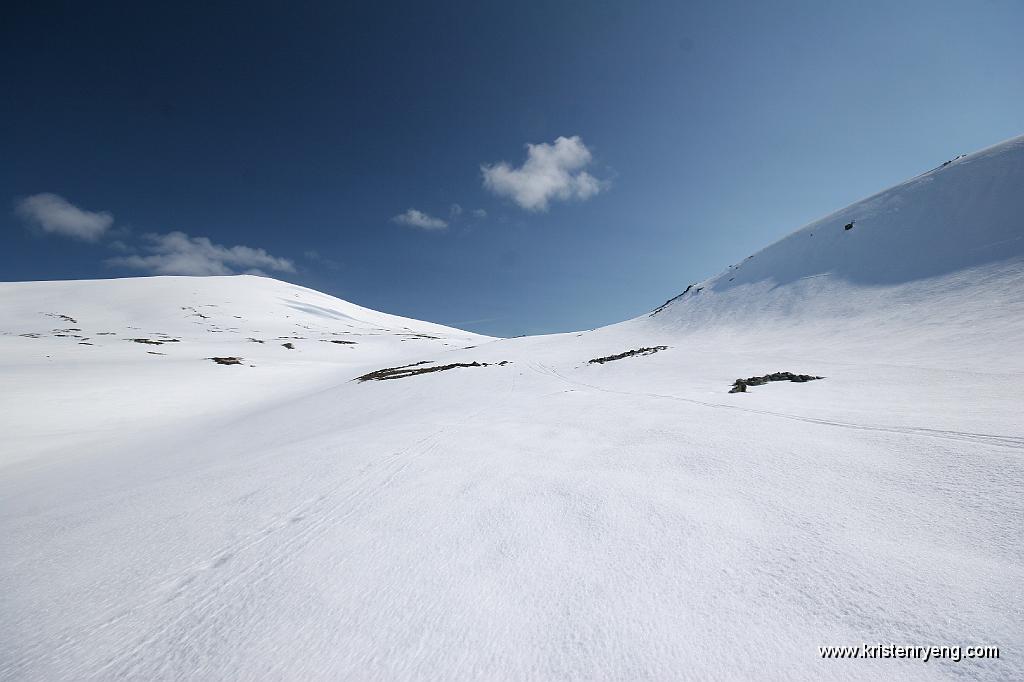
{"type": "Point", "coordinates": [740, 385]}
{"type": "Point", "coordinates": [627, 354]}
{"type": "Point", "coordinates": [415, 369]}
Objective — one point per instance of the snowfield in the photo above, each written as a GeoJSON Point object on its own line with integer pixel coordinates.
{"type": "Point", "coordinates": [164, 516]}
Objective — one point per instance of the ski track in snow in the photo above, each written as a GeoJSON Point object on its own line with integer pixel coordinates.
{"type": "Point", "coordinates": [214, 591]}
{"type": "Point", "coordinates": [1012, 442]}
{"type": "Point", "coordinates": [211, 598]}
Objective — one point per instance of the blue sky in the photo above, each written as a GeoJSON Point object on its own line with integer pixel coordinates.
{"type": "Point", "coordinates": [328, 144]}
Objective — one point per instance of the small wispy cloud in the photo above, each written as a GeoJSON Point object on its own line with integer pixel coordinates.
{"type": "Point", "coordinates": [550, 172]}
{"type": "Point", "coordinates": [315, 256]}
{"type": "Point", "coordinates": [456, 213]}
{"type": "Point", "coordinates": [419, 219]}
{"type": "Point", "coordinates": [176, 253]}
{"type": "Point", "coordinates": [54, 214]}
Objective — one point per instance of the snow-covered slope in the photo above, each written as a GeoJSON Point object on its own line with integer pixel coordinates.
{"type": "Point", "coordinates": [926, 240]}
{"type": "Point", "coordinates": [534, 515]}
{"type": "Point", "coordinates": [85, 349]}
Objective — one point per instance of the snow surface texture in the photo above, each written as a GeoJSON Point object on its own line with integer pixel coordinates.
{"type": "Point", "coordinates": [167, 517]}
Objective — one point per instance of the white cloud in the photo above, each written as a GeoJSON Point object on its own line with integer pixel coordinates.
{"type": "Point", "coordinates": [414, 218]}
{"type": "Point", "coordinates": [455, 211]}
{"type": "Point", "coordinates": [316, 257]}
{"type": "Point", "coordinates": [176, 253]}
{"type": "Point", "coordinates": [551, 171]}
{"type": "Point", "coordinates": [479, 213]}
{"type": "Point", "coordinates": [55, 214]}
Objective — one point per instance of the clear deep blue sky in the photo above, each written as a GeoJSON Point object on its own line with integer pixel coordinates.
{"type": "Point", "coordinates": [303, 129]}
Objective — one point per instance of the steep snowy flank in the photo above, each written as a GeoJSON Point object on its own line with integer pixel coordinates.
{"type": "Point", "coordinates": [362, 496]}
{"type": "Point", "coordinates": [964, 214]}
{"type": "Point", "coordinates": [930, 266]}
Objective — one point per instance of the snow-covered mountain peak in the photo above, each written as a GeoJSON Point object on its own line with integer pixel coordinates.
{"type": "Point", "coordinates": [137, 352]}
{"type": "Point", "coordinates": [197, 307]}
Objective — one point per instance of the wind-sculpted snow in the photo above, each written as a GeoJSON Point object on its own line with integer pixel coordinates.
{"type": "Point", "coordinates": [528, 514]}
{"type": "Point", "coordinates": [965, 214]}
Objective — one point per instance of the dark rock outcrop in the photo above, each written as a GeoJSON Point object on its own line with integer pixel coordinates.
{"type": "Point", "coordinates": [671, 300]}
{"type": "Point", "coordinates": [740, 385]}
{"type": "Point", "coordinates": [628, 354]}
{"type": "Point", "coordinates": [414, 369]}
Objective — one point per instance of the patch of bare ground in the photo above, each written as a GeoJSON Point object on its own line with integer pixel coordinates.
{"type": "Point", "coordinates": [415, 368]}
{"type": "Point", "coordinates": [155, 342]}
{"type": "Point", "coordinates": [628, 354]}
{"type": "Point", "coordinates": [740, 385]}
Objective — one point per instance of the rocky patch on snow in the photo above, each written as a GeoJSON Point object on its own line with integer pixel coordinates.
{"type": "Point", "coordinates": [674, 299]}
{"type": "Point", "coordinates": [740, 385]}
{"type": "Point", "coordinates": [415, 368]}
{"type": "Point", "coordinates": [628, 354]}
{"type": "Point", "coordinates": [195, 313]}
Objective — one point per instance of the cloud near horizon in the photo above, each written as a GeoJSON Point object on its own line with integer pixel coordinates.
{"type": "Point", "coordinates": [54, 214]}
{"type": "Point", "coordinates": [550, 172]}
{"type": "Point", "coordinates": [176, 253]}
{"type": "Point", "coordinates": [415, 218]}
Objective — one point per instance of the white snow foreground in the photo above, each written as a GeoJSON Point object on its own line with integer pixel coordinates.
{"type": "Point", "coordinates": [165, 517]}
